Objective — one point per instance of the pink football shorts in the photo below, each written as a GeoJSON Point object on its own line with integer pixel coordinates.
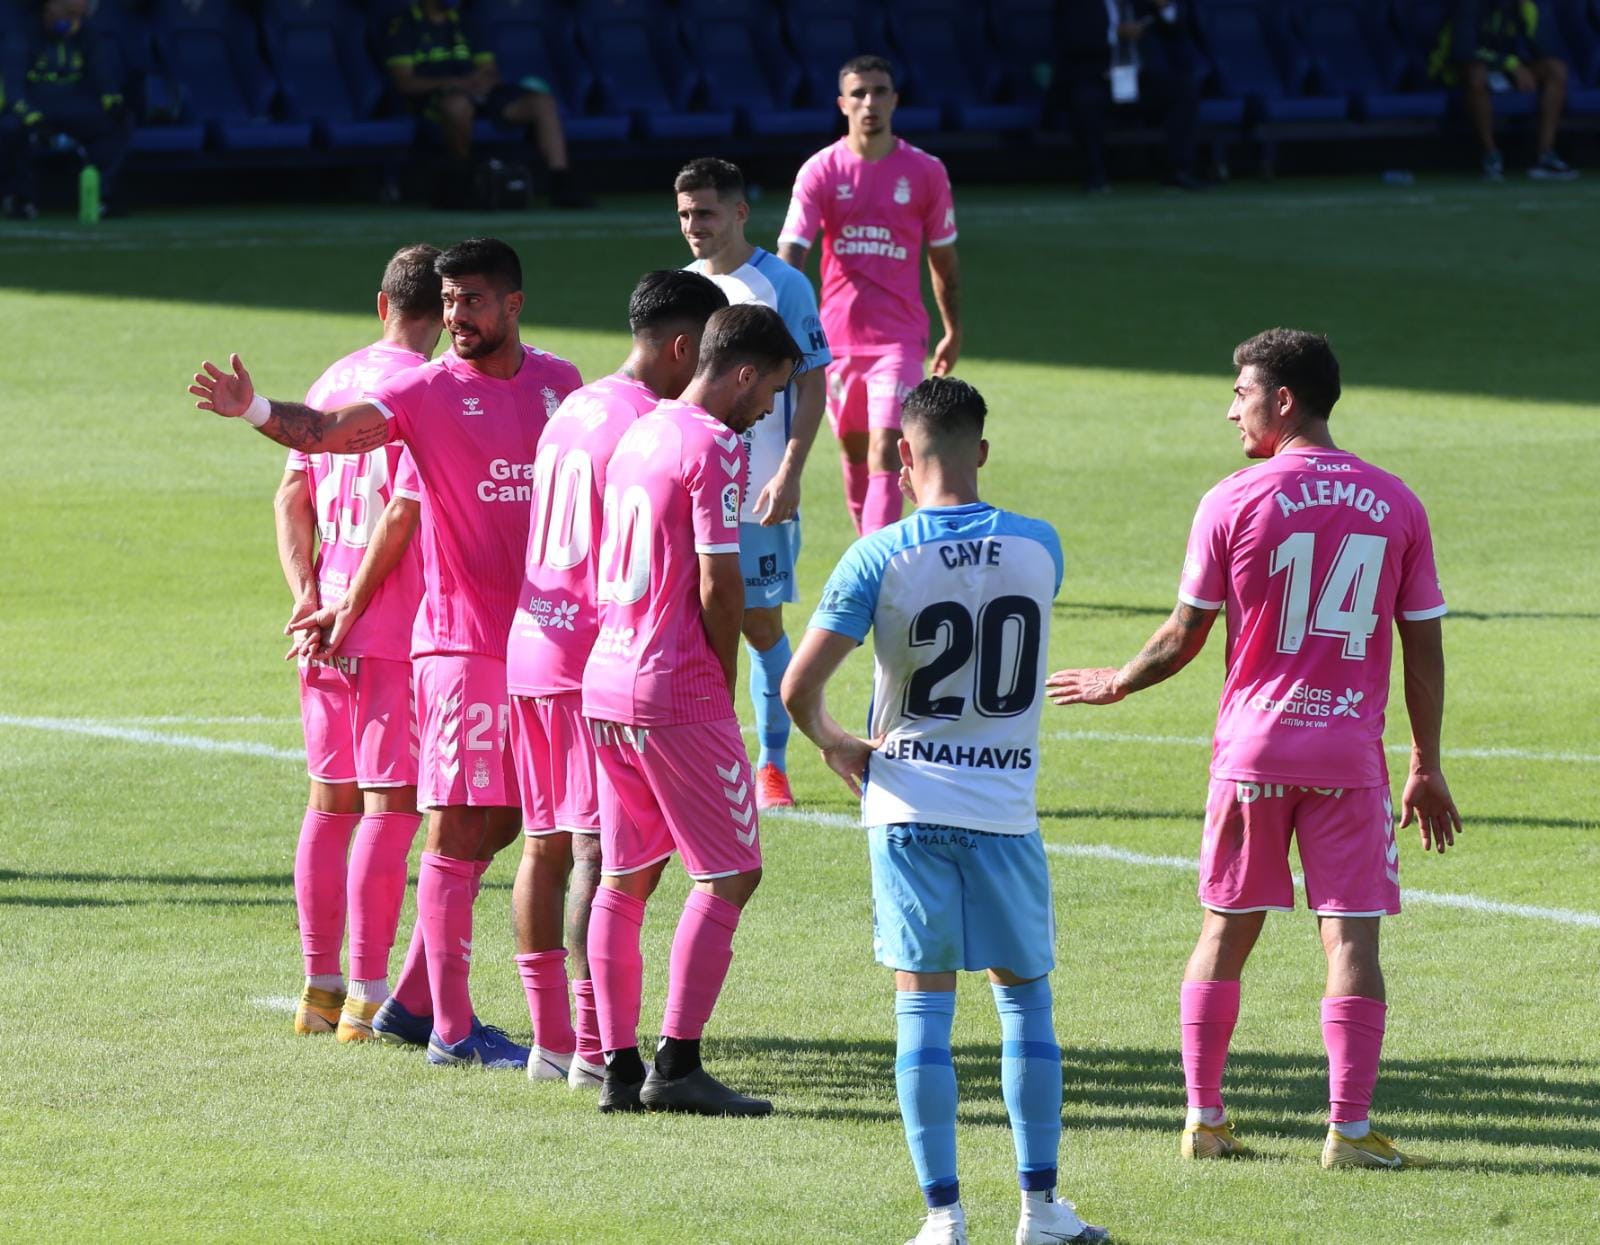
{"type": "Point", "coordinates": [463, 713]}
{"type": "Point", "coordinates": [685, 788]}
{"type": "Point", "coordinates": [1346, 840]}
{"type": "Point", "coordinates": [554, 756]}
{"type": "Point", "coordinates": [358, 723]}
{"type": "Point", "coordinates": [867, 390]}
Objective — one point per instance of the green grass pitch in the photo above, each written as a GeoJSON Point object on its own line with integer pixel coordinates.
{"type": "Point", "coordinates": [150, 1088]}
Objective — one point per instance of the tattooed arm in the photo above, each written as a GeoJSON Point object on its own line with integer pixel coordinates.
{"type": "Point", "coordinates": [349, 430]}
{"type": "Point", "coordinates": [1168, 651]}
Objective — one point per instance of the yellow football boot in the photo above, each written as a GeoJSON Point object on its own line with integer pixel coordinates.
{"type": "Point", "coordinates": [355, 1021]}
{"type": "Point", "coordinates": [1373, 1150]}
{"type": "Point", "coordinates": [318, 1011]}
{"type": "Point", "coordinates": [1212, 1141]}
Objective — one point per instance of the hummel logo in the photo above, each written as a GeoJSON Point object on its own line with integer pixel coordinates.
{"type": "Point", "coordinates": [729, 442]}
{"type": "Point", "coordinates": [731, 774]}
{"type": "Point", "coordinates": [730, 465]}
{"type": "Point", "coordinates": [845, 190]}
{"type": "Point", "coordinates": [471, 406]}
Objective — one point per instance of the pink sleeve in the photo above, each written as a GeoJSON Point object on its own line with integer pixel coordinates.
{"type": "Point", "coordinates": [297, 461]}
{"type": "Point", "coordinates": [804, 220]}
{"type": "Point", "coordinates": [394, 397]}
{"type": "Point", "coordinates": [406, 481]}
{"type": "Point", "coordinates": [1421, 595]}
{"type": "Point", "coordinates": [939, 225]}
{"type": "Point", "coordinates": [1204, 584]}
{"type": "Point", "coordinates": [712, 478]}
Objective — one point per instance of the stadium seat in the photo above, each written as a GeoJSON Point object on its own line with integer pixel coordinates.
{"type": "Point", "coordinates": [210, 47]}
{"type": "Point", "coordinates": [946, 61]}
{"type": "Point", "coordinates": [1022, 32]}
{"type": "Point", "coordinates": [315, 47]}
{"type": "Point", "coordinates": [535, 39]}
{"type": "Point", "coordinates": [1353, 52]}
{"type": "Point", "coordinates": [745, 66]}
{"type": "Point", "coordinates": [825, 34]}
{"type": "Point", "coordinates": [643, 70]}
{"type": "Point", "coordinates": [1256, 58]}
{"type": "Point", "coordinates": [1565, 31]}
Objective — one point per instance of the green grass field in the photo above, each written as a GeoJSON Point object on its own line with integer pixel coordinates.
{"type": "Point", "coordinates": [150, 1087]}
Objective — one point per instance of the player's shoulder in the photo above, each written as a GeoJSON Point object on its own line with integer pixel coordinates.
{"type": "Point", "coordinates": [552, 365]}
{"type": "Point", "coordinates": [921, 157]}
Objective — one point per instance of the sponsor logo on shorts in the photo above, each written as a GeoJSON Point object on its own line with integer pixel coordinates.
{"type": "Point", "coordinates": [931, 836]}
{"type": "Point", "coordinates": [1250, 792]}
{"type": "Point", "coordinates": [480, 774]}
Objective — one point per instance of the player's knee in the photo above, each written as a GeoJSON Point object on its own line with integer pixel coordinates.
{"type": "Point", "coordinates": [551, 855]}
{"type": "Point", "coordinates": [737, 889]}
{"type": "Point", "coordinates": [854, 446]}
{"type": "Point", "coordinates": [883, 453]}
{"type": "Point", "coordinates": [455, 109]}
{"type": "Point", "coordinates": [763, 628]}
{"type": "Point", "coordinates": [391, 800]}
{"type": "Point", "coordinates": [1551, 71]}
{"type": "Point", "coordinates": [1475, 76]}
{"type": "Point", "coordinates": [334, 797]}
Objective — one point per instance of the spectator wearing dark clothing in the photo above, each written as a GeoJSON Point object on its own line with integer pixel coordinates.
{"type": "Point", "coordinates": [447, 77]}
{"type": "Point", "coordinates": [1133, 54]}
{"type": "Point", "coordinates": [64, 99]}
{"type": "Point", "coordinates": [1487, 46]}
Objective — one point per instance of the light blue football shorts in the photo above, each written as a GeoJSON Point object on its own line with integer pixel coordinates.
{"type": "Point", "coordinates": [946, 899]}
{"type": "Point", "coordinates": [767, 557]}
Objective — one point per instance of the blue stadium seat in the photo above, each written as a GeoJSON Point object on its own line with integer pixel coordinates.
{"type": "Point", "coordinates": [644, 72]}
{"type": "Point", "coordinates": [1023, 35]}
{"type": "Point", "coordinates": [535, 39]}
{"type": "Point", "coordinates": [211, 48]}
{"type": "Point", "coordinates": [746, 67]}
{"type": "Point", "coordinates": [1565, 31]}
{"type": "Point", "coordinates": [827, 33]}
{"type": "Point", "coordinates": [946, 61]}
{"type": "Point", "coordinates": [315, 47]}
{"type": "Point", "coordinates": [1353, 52]}
{"type": "Point", "coordinates": [1257, 59]}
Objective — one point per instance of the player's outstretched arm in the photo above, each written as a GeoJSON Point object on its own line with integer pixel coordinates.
{"type": "Point", "coordinates": [349, 430]}
{"type": "Point", "coordinates": [945, 270]}
{"type": "Point", "coordinates": [1426, 798]}
{"type": "Point", "coordinates": [822, 652]}
{"type": "Point", "coordinates": [1174, 645]}
{"type": "Point", "coordinates": [390, 539]}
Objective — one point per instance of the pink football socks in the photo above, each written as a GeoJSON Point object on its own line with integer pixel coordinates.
{"type": "Point", "coordinates": [1352, 1030]}
{"type": "Point", "coordinates": [376, 888]}
{"type": "Point", "coordinates": [616, 966]}
{"type": "Point", "coordinates": [884, 501]}
{"type": "Point", "coordinates": [1208, 1010]}
{"type": "Point", "coordinates": [319, 887]}
{"type": "Point", "coordinates": [544, 980]}
{"type": "Point", "coordinates": [702, 950]}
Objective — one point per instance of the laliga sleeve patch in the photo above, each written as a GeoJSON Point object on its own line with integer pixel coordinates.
{"type": "Point", "coordinates": [730, 505]}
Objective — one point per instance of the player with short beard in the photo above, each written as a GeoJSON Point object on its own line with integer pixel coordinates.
{"type": "Point", "coordinates": [1318, 558]}
{"type": "Point", "coordinates": [471, 420]}
{"type": "Point", "coordinates": [876, 200]}
{"type": "Point", "coordinates": [658, 690]}
{"type": "Point", "coordinates": [356, 707]}
{"type": "Point", "coordinates": [550, 639]}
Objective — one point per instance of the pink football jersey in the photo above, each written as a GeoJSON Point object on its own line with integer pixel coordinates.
{"type": "Point", "coordinates": [874, 217]}
{"type": "Point", "coordinates": [673, 489]}
{"type": "Point", "coordinates": [473, 438]}
{"type": "Point", "coordinates": [556, 622]}
{"type": "Point", "coordinates": [1314, 553]}
{"type": "Point", "coordinates": [351, 491]}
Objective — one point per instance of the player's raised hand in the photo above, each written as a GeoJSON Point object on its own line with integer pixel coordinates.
{"type": "Point", "coordinates": [221, 392]}
{"type": "Point", "coordinates": [1427, 800]}
{"type": "Point", "coordinates": [945, 354]}
{"type": "Point", "coordinates": [848, 756]}
{"type": "Point", "coordinates": [1084, 687]}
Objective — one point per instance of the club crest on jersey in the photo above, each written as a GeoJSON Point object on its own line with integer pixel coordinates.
{"type": "Point", "coordinates": [472, 406]}
{"type": "Point", "coordinates": [480, 773]}
{"type": "Point", "coordinates": [551, 400]}
{"type": "Point", "coordinates": [846, 191]}
{"type": "Point", "coordinates": [902, 191]}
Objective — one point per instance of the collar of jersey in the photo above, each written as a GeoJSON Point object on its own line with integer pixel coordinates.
{"type": "Point", "coordinates": [971, 507]}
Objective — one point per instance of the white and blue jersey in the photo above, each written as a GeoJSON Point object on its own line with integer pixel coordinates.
{"type": "Point", "coordinates": [958, 600]}
{"type": "Point", "coordinates": [767, 280]}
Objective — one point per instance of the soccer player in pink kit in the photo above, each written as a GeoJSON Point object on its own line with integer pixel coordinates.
{"type": "Point", "coordinates": [356, 707]}
{"type": "Point", "coordinates": [658, 690]}
{"type": "Point", "coordinates": [550, 639]}
{"type": "Point", "coordinates": [876, 200]}
{"type": "Point", "coordinates": [471, 420]}
{"type": "Point", "coordinates": [1317, 557]}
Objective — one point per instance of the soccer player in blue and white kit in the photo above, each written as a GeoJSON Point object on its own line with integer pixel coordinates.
{"type": "Point", "coordinates": [712, 211]}
{"type": "Point", "coordinates": [958, 596]}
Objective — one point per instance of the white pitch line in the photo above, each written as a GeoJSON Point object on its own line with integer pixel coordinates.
{"type": "Point", "coordinates": [1182, 864]}
{"type": "Point", "coordinates": [180, 719]}
{"type": "Point", "coordinates": [277, 1002]}
{"type": "Point", "coordinates": [1099, 851]}
{"type": "Point", "coordinates": [137, 735]}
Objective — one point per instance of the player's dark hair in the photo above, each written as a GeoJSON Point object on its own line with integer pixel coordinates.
{"type": "Point", "coordinates": [481, 257]}
{"type": "Point", "coordinates": [710, 173]}
{"type": "Point", "coordinates": [1301, 362]}
{"type": "Point", "coordinates": [864, 65]}
{"type": "Point", "coordinates": [945, 407]}
{"type": "Point", "coordinates": [410, 282]}
{"type": "Point", "coordinates": [747, 333]}
{"type": "Point", "coordinates": [673, 298]}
